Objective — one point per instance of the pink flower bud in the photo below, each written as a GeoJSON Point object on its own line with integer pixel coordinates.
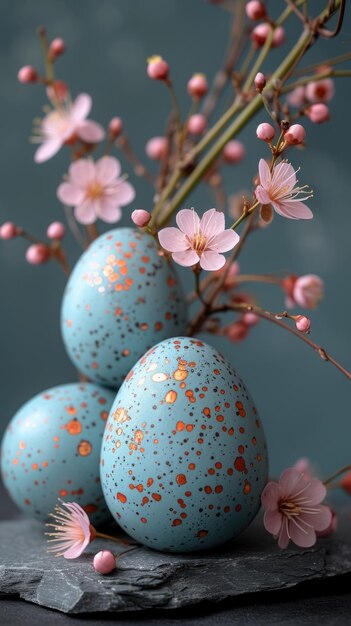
{"type": "Point", "coordinates": [297, 97]}
{"type": "Point", "coordinates": [115, 127]}
{"type": "Point", "coordinates": [58, 91]}
{"type": "Point", "coordinates": [265, 131]}
{"type": "Point", "coordinates": [250, 319]}
{"type": "Point", "coordinates": [234, 151]}
{"type": "Point", "coordinates": [104, 562]}
{"type": "Point", "coordinates": [56, 48]}
{"type": "Point", "coordinates": [307, 291]}
{"type": "Point", "coordinates": [197, 86]}
{"type": "Point", "coordinates": [8, 230]}
{"type": "Point", "coordinates": [157, 68]}
{"type": "Point", "coordinates": [197, 124]}
{"type": "Point", "coordinates": [37, 254]}
{"type": "Point", "coordinates": [295, 135]}
{"type": "Point", "coordinates": [140, 217]}
{"type": "Point", "coordinates": [303, 323]}
{"type": "Point", "coordinates": [27, 74]}
{"type": "Point", "coordinates": [320, 90]}
{"type": "Point", "coordinates": [260, 82]}
{"type": "Point", "coordinates": [157, 148]}
{"type": "Point", "coordinates": [255, 10]}
{"type": "Point", "coordinates": [260, 34]}
{"type": "Point", "coordinates": [318, 113]}
{"type": "Point", "coordinates": [56, 230]}
{"type": "Point", "coordinates": [237, 331]}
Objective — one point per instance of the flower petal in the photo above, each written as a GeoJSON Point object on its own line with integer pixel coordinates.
{"type": "Point", "coordinates": [82, 172]}
{"type": "Point", "coordinates": [123, 193]}
{"type": "Point", "coordinates": [272, 521]}
{"type": "Point", "coordinates": [188, 221]}
{"type": "Point", "coordinates": [186, 258]}
{"type": "Point", "coordinates": [107, 169]}
{"type": "Point", "coordinates": [270, 496]}
{"type": "Point", "coordinates": [212, 223]}
{"type": "Point", "coordinates": [85, 212]}
{"type": "Point", "coordinates": [70, 194]}
{"type": "Point", "coordinates": [302, 535]}
{"type": "Point", "coordinates": [279, 208]}
{"type": "Point", "coordinates": [284, 177]}
{"type": "Point", "coordinates": [76, 550]}
{"type": "Point", "coordinates": [315, 491]}
{"type": "Point", "coordinates": [284, 538]}
{"type": "Point", "coordinates": [47, 150]}
{"type": "Point", "coordinates": [108, 211]}
{"type": "Point", "coordinates": [291, 481]}
{"type": "Point", "coordinates": [224, 241]}
{"type": "Point", "coordinates": [262, 195]}
{"type": "Point", "coordinates": [81, 107]}
{"type": "Point", "coordinates": [323, 519]}
{"type": "Point", "coordinates": [264, 173]}
{"type": "Point", "coordinates": [211, 260]}
{"type": "Point", "coordinates": [90, 131]}
{"type": "Point", "coordinates": [298, 210]}
{"type": "Point", "coordinates": [173, 240]}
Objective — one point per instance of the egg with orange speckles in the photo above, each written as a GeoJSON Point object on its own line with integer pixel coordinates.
{"type": "Point", "coordinates": [51, 450]}
{"type": "Point", "coordinates": [122, 298]}
{"type": "Point", "coordinates": [183, 459]}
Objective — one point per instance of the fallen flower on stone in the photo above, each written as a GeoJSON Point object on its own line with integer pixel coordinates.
{"type": "Point", "coordinates": [293, 509]}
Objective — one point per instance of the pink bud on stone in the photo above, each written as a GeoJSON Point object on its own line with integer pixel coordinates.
{"type": "Point", "coordinates": [157, 68]}
{"type": "Point", "coordinates": [255, 10]}
{"type": "Point", "coordinates": [197, 86]}
{"type": "Point", "coordinates": [104, 562]}
{"type": "Point", "coordinates": [27, 74]}
{"type": "Point", "coordinates": [56, 48]}
{"type": "Point", "coordinates": [56, 230]}
{"type": "Point", "coordinates": [37, 254]}
{"type": "Point", "coordinates": [295, 135]}
{"type": "Point", "coordinates": [141, 218]}
{"type": "Point", "coordinates": [265, 132]}
{"type": "Point", "coordinates": [8, 230]}
{"type": "Point", "coordinates": [157, 148]}
{"type": "Point", "coordinates": [303, 323]}
{"type": "Point", "coordinates": [234, 151]}
{"type": "Point", "coordinates": [115, 127]}
{"type": "Point", "coordinates": [260, 82]}
{"type": "Point", "coordinates": [318, 113]}
{"type": "Point", "coordinates": [197, 124]}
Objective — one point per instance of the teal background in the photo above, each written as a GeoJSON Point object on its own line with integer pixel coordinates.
{"type": "Point", "coordinates": [303, 402]}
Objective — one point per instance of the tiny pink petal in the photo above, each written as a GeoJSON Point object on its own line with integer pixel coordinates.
{"type": "Point", "coordinates": [304, 537]}
{"type": "Point", "coordinates": [211, 260]}
{"type": "Point", "coordinates": [85, 212]}
{"type": "Point", "coordinates": [272, 521]}
{"type": "Point", "coordinates": [124, 193]}
{"type": "Point", "coordinates": [173, 240]}
{"type": "Point", "coordinates": [107, 169]}
{"type": "Point", "coordinates": [225, 241]}
{"type": "Point", "coordinates": [70, 194]}
{"type": "Point", "coordinates": [47, 150]}
{"type": "Point", "coordinates": [283, 537]}
{"type": "Point", "coordinates": [188, 221]}
{"type": "Point", "coordinates": [107, 212]}
{"type": "Point", "coordinates": [212, 223]}
{"type": "Point", "coordinates": [270, 496]}
{"type": "Point", "coordinates": [82, 172]}
{"type": "Point", "coordinates": [81, 107]}
{"type": "Point", "coordinates": [90, 131]}
{"type": "Point", "coordinates": [186, 258]}
{"type": "Point", "coordinates": [264, 173]}
{"type": "Point", "coordinates": [290, 481]}
{"type": "Point", "coordinates": [262, 195]}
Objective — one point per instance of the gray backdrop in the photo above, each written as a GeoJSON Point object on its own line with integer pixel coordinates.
{"type": "Point", "coordinates": [303, 402]}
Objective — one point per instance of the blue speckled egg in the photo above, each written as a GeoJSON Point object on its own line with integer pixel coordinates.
{"type": "Point", "coordinates": [51, 450]}
{"type": "Point", "coordinates": [121, 299]}
{"type": "Point", "coordinates": [183, 460]}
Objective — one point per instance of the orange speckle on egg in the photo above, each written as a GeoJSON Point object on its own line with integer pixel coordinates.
{"type": "Point", "coordinates": [71, 410]}
{"type": "Point", "coordinates": [121, 497]}
{"type": "Point", "coordinates": [208, 489]}
{"type": "Point", "coordinates": [180, 426]}
{"type": "Point", "coordinates": [63, 493]}
{"type": "Point", "coordinates": [189, 427]}
{"type": "Point", "coordinates": [247, 488]}
{"type": "Point", "coordinates": [202, 533]}
{"type": "Point", "coordinates": [143, 520]}
{"type": "Point", "coordinates": [22, 445]}
{"type": "Point", "coordinates": [171, 397]}
{"type": "Point", "coordinates": [176, 522]}
{"type": "Point", "coordinates": [191, 466]}
{"type": "Point", "coordinates": [73, 427]}
{"type": "Point", "coordinates": [84, 448]}
{"type": "Point", "coordinates": [104, 415]}
{"type": "Point", "coordinates": [181, 479]}
{"type": "Point", "coordinates": [35, 466]}
{"type": "Point", "coordinates": [156, 496]}
{"type": "Point", "coordinates": [45, 464]}
{"type": "Point", "coordinates": [150, 481]}
{"type": "Point", "coordinates": [90, 507]}
{"type": "Point", "coordinates": [218, 488]}
{"type": "Point", "coordinates": [15, 461]}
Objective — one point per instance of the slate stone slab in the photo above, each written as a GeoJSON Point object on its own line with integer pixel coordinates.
{"type": "Point", "coordinates": [146, 579]}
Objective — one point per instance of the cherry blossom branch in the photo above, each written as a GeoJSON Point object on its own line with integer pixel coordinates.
{"type": "Point", "coordinates": [271, 317]}
{"type": "Point", "coordinates": [139, 168]}
{"type": "Point", "coordinates": [304, 81]}
{"type": "Point", "coordinates": [343, 470]}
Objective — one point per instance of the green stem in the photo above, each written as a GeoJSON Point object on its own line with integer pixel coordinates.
{"type": "Point", "coordinates": [343, 470]}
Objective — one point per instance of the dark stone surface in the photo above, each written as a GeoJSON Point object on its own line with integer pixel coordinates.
{"type": "Point", "coordinates": [146, 580]}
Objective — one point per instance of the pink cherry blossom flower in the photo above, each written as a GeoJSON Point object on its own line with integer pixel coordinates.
{"type": "Point", "coordinates": [293, 509]}
{"type": "Point", "coordinates": [278, 189]}
{"type": "Point", "coordinates": [199, 241]}
{"type": "Point", "coordinates": [65, 125]}
{"type": "Point", "coordinates": [304, 291]}
{"type": "Point", "coordinates": [72, 531]}
{"type": "Point", "coordinates": [303, 465]}
{"type": "Point", "coordinates": [95, 190]}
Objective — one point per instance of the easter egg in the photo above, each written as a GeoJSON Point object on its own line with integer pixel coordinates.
{"type": "Point", "coordinates": [122, 298]}
{"type": "Point", "coordinates": [51, 450]}
{"type": "Point", "coordinates": [183, 460]}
